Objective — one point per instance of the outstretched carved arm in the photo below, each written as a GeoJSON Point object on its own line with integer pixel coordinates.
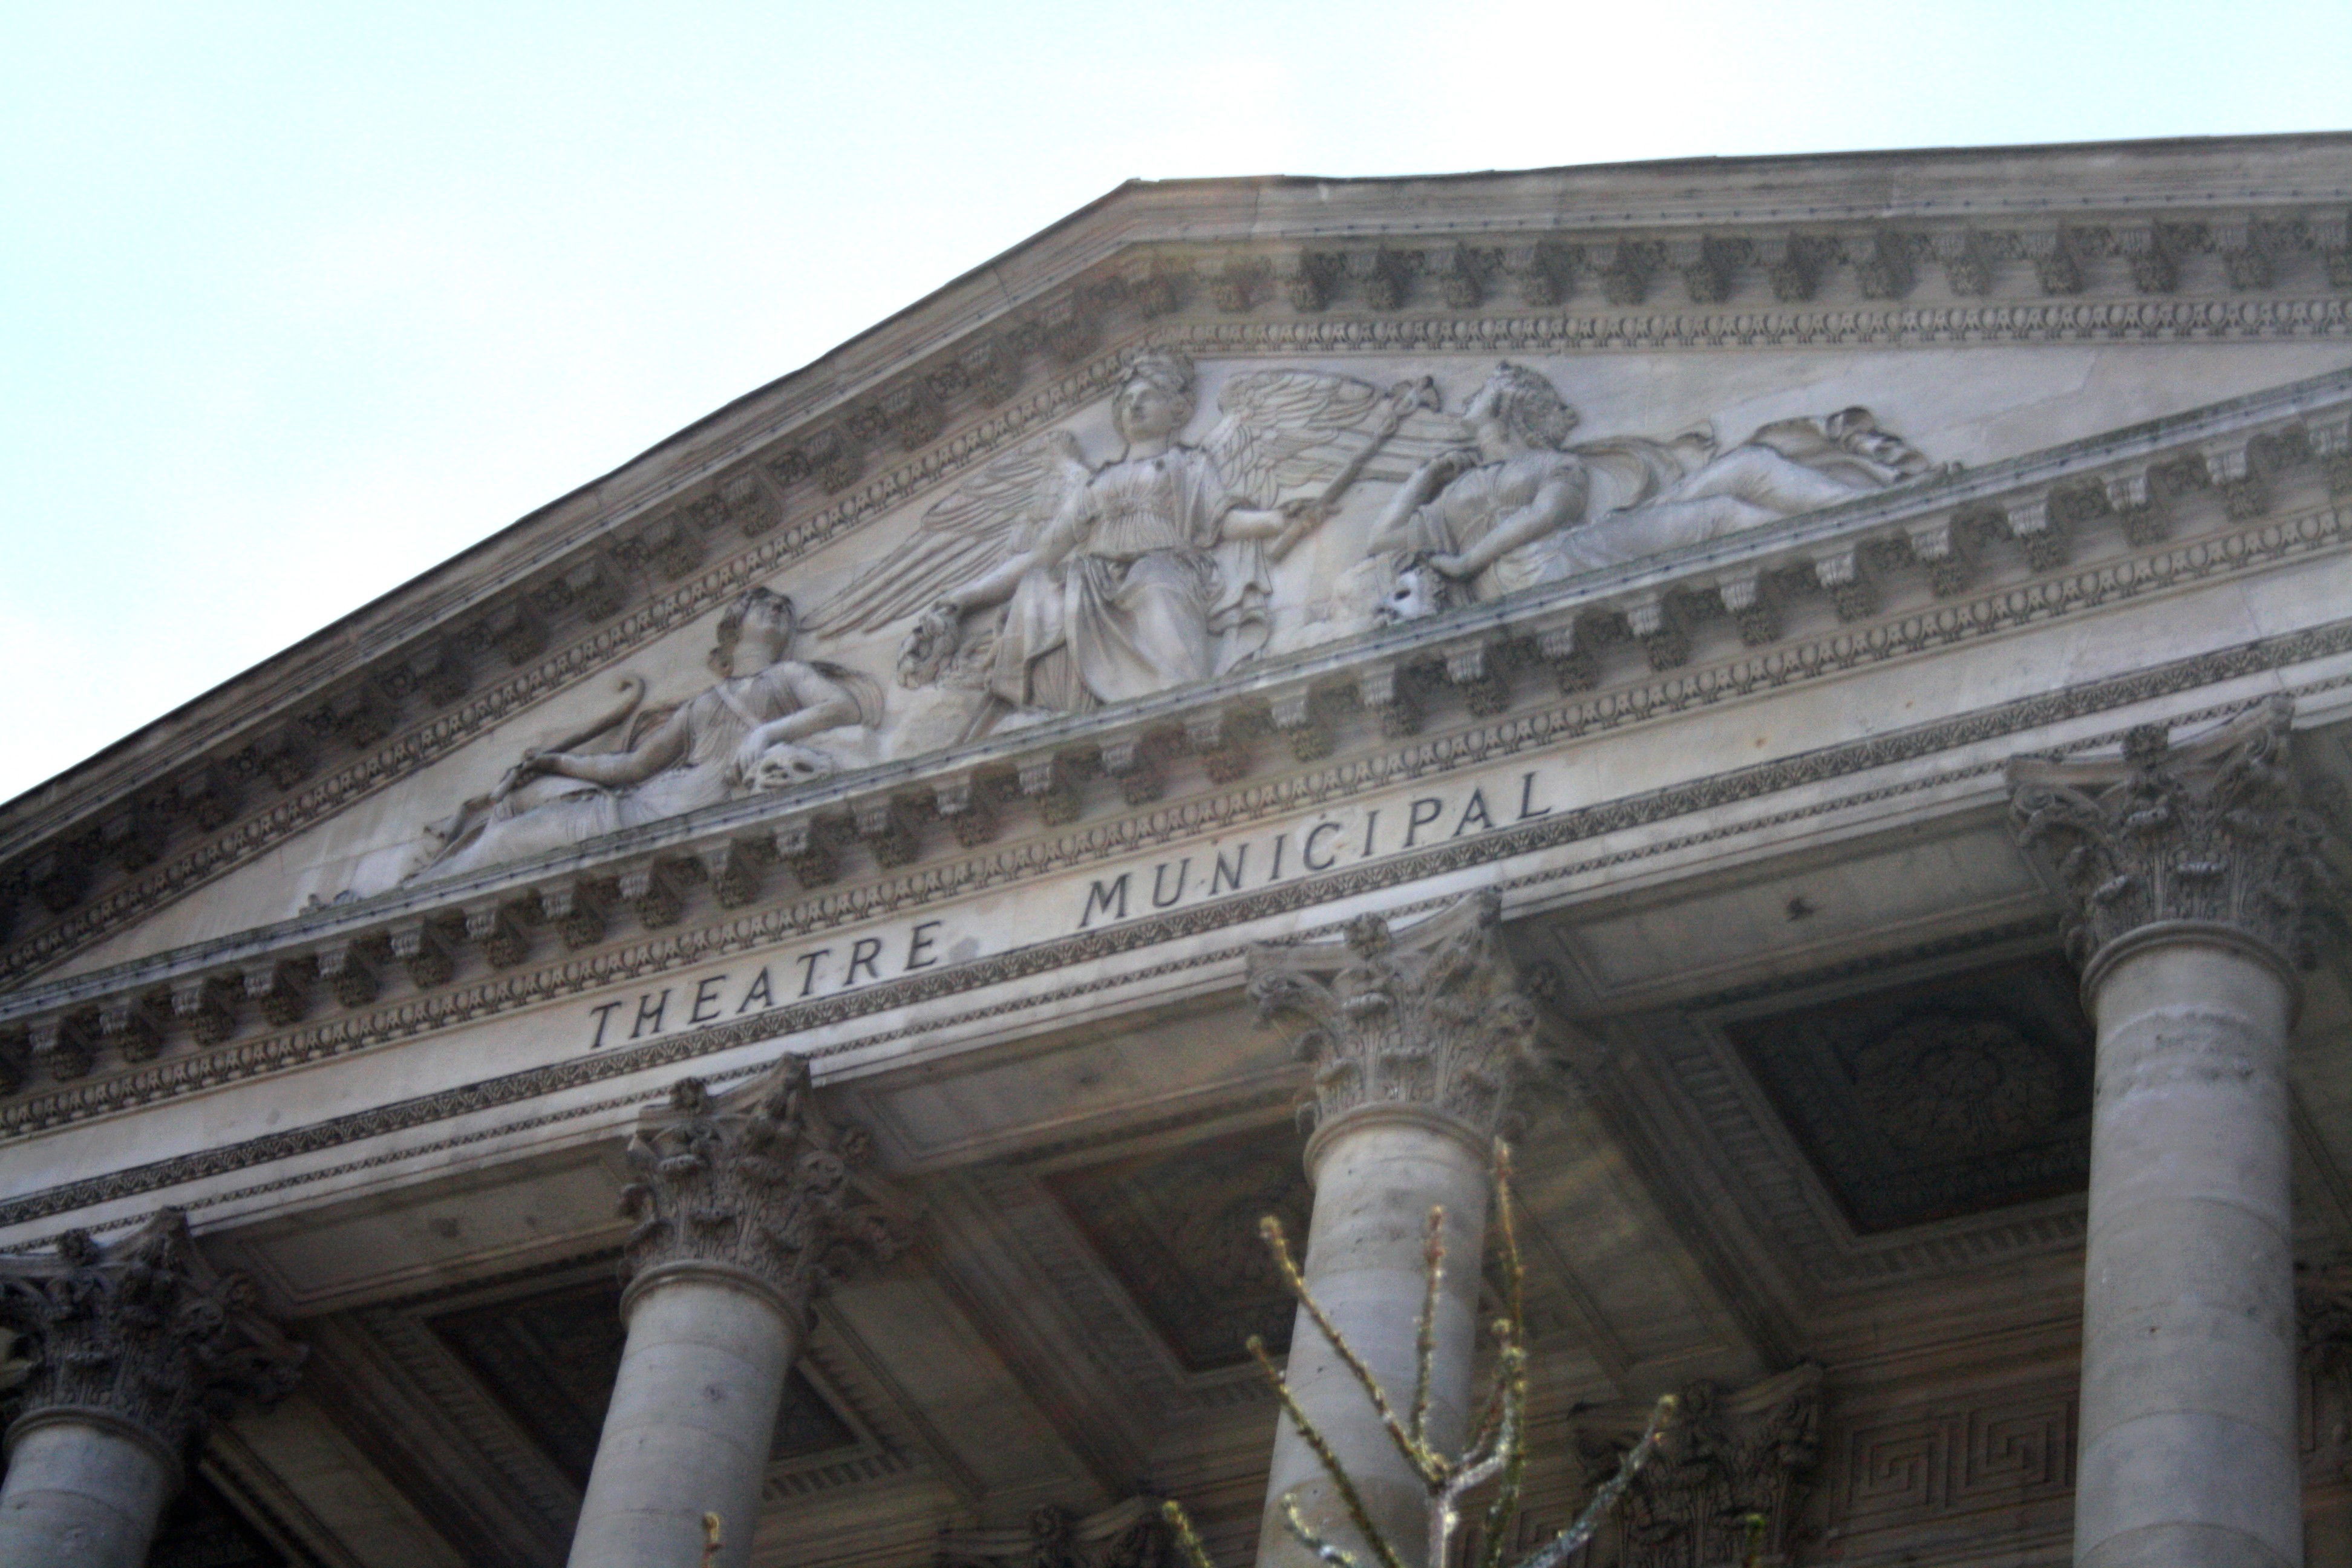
{"type": "Point", "coordinates": [664, 747]}
{"type": "Point", "coordinates": [994, 587]}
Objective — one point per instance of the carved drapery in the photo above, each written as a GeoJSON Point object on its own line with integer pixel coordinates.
{"type": "Point", "coordinates": [2206, 833]}
{"type": "Point", "coordinates": [758, 1180]}
{"type": "Point", "coordinates": [144, 1329]}
{"type": "Point", "coordinates": [1429, 1017]}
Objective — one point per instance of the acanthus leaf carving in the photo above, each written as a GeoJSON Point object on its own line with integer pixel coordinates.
{"type": "Point", "coordinates": [144, 1328]}
{"type": "Point", "coordinates": [2209, 832]}
{"type": "Point", "coordinates": [758, 1180]}
{"type": "Point", "coordinates": [1734, 1456]}
{"type": "Point", "coordinates": [1431, 1017]}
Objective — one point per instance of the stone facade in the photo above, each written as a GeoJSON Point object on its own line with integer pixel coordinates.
{"type": "Point", "coordinates": [1813, 695]}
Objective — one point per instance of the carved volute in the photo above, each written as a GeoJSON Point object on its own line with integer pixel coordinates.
{"type": "Point", "coordinates": [1429, 1017]}
{"type": "Point", "coordinates": [2206, 834]}
{"type": "Point", "coordinates": [757, 1180]}
{"type": "Point", "coordinates": [145, 1331]}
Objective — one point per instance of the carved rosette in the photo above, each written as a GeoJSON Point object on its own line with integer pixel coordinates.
{"type": "Point", "coordinates": [1431, 1017]}
{"type": "Point", "coordinates": [144, 1329]}
{"type": "Point", "coordinates": [757, 1180]}
{"type": "Point", "coordinates": [2206, 833]}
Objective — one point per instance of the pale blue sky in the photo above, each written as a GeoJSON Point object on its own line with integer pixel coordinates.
{"type": "Point", "coordinates": [297, 300]}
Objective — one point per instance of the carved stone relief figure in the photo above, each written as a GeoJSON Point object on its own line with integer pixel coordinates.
{"type": "Point", "coordinates": [1521, 506]}
{"type": "Point", "coordinates": [1048, 586]}
{"type": "Point", "coordinates": [770, 722]}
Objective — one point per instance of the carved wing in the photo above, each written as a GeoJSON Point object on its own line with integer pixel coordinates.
{"type": "Point", "coordinates": [1281, 431]}
{"type": "Point", "coordinates": [995, 515]}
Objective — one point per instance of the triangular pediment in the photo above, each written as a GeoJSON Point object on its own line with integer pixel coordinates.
{"type": "Point", "coordinates": [1406, 431]}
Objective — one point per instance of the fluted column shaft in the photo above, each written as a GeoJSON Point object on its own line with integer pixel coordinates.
{"type": "Point", "coordinates": [1414, 1039]}
{"type": "Point", "coordinates": [2190, 869]}
{"type": "Point", "coordinates": [745, 1211]}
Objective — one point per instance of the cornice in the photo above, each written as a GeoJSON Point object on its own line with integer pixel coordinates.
{"type": "Point", "coordinates": [1705, 795]}
{"type": "Point", "coordinates": [1938, 525]}
{"type": "Point", "coordinates": [766, 481]}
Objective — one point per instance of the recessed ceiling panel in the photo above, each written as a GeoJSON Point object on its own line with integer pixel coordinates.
{"type": "Point", "coordinates": [1179, 1230]}
{"type": "Point", "coordinates": [1942, 1097]}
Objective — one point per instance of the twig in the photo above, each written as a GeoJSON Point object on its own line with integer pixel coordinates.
{"type": "Point", "coordinates": [1754, 1556]}
{"type": "Point", "coordinates": [1338, 1557]}
{"type": "Point", "coordinates": [1556, 1551]}
{"type": "Point", "coordinates": [1414, 1454]}
{"type": "Point", "coordinates": [1188, 1540]}
{"type": "Point", "coordinates": [1424, 1340]}
{"type": "Point", "coordinates": [1357, 1513]}
{"type": "Point", "coordinates": [1477, 1467]}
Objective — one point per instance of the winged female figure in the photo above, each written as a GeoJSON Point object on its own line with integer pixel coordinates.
{"type": "Point", "coordinates": [1050, 584]}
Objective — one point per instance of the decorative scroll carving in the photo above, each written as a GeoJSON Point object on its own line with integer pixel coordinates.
{"type": "Point", "coordinates": [2323, 1310]}
{"type": "Point", "coordinates": [144, 1330]}
{"type": "Point", "coordinates": [1431, 1018]}
{"type": "Point", "coordinates": [2207, 832]}
{"type": "Point", "coordinates": [1130, 1534]}
{"type": "Point", "coordinates": [1733, 1454]}
{"type": "Point", "coordinates": [757, 1179]}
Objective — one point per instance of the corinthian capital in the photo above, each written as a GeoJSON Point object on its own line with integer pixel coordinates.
{"type": "Point", "coordinates": [145, 1331]}
{"type": "Point", "coordinates": [757, 1180]}
{"type": "Point", "coordinates": [1431, 1017]}
{"type": "Point", "coordinates": [2206, 834]}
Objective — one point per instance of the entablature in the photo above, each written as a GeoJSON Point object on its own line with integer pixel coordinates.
{"type": "Point", "coordinates": [1927, 541]}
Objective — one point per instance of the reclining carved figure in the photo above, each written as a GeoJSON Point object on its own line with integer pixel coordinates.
{"type": "Point", "coordinates": [1523, 507]}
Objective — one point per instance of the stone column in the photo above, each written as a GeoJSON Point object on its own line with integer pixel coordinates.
{"type": "Point", "coordinates": [2188, 869]}
{"type": "Point", "coordinates": [134, 1350]}
{"type": "Point", "coordinates": [745, 1209]}
{"type": "Point", "coordinates": [1415, 1039]}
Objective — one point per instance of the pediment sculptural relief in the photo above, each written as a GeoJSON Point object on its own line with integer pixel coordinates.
{"type": "Point", "coordinates": [1047, 584]}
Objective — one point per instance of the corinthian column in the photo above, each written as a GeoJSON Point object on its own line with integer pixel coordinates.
{"type": "Point", "coordinates": [1414, 1039]}
{"type": "Point", "coordinates": [745, 1210]}
{"type": "Point", "coordinates": [2188, 869]}
{"type": "Point", "coordinates": [133, 1349]}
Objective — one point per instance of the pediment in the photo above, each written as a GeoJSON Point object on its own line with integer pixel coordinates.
{"type": "Point", "coordinates": [1758, 399]}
